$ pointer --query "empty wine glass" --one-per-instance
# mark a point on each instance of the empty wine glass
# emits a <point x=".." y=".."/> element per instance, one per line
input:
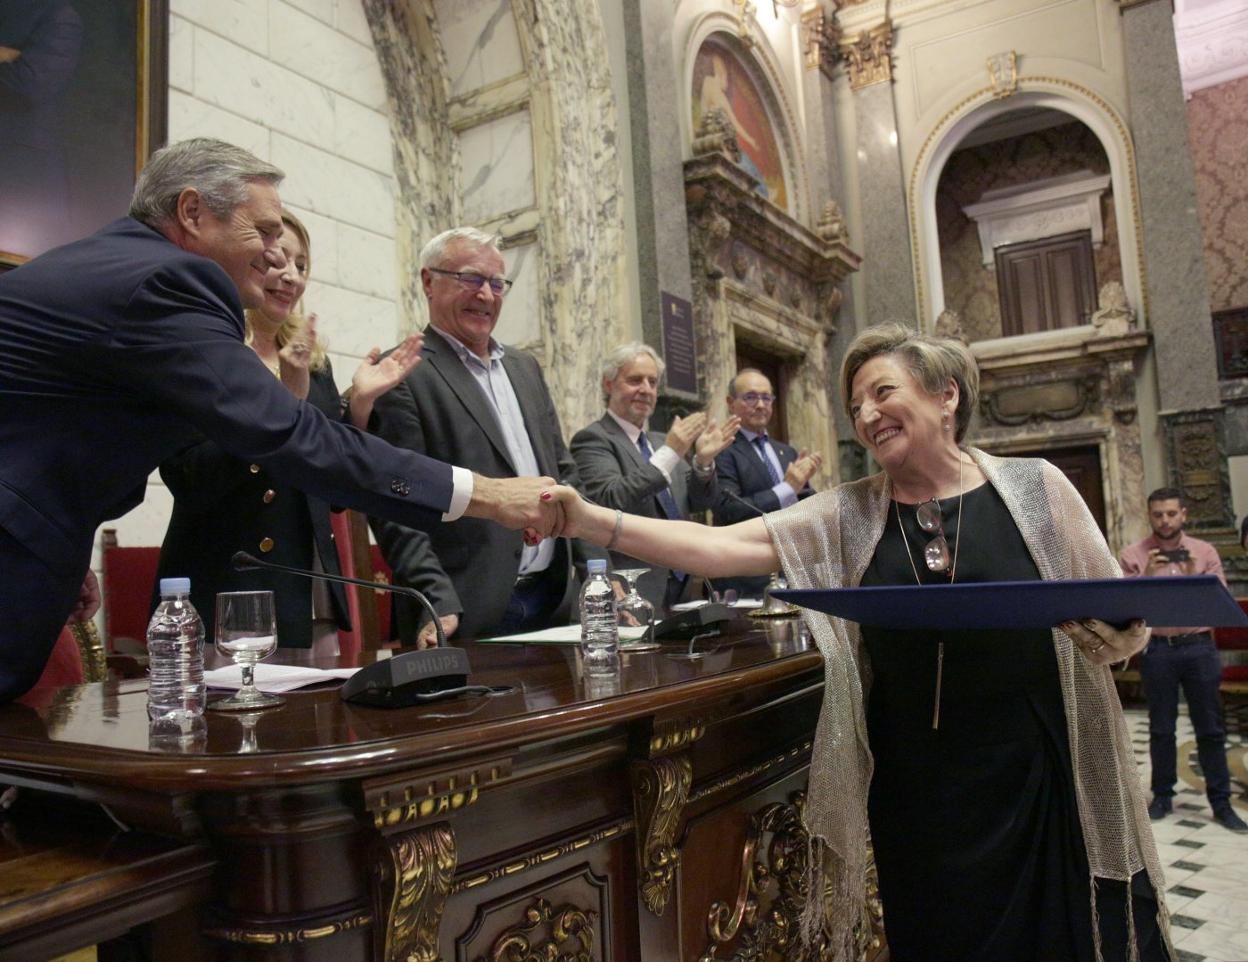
<point x="246" y="633"/>
<point x="634" y="611"/>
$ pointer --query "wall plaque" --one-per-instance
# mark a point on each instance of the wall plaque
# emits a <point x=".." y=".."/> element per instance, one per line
<point x="678" y="352"/>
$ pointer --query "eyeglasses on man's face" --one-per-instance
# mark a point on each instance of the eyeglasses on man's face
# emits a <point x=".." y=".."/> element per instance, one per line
<point x="474" y="281"/>
<point x="757" y="397"/>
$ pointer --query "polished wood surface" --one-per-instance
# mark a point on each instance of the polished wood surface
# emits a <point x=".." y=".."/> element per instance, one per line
<point x="560" y="812"/>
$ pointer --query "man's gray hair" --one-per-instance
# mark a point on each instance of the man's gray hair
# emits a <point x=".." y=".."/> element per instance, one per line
<point x="220" y="172"/>
<point x="625" y="353"/>
<point x="434" y="253"/>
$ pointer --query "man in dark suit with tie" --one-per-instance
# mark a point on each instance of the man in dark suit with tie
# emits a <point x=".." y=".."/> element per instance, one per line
<point x="484" y="405"/>
<point x="116" y="349"/>
<point x="757" y="473"/>
<point x="626" y="467"/>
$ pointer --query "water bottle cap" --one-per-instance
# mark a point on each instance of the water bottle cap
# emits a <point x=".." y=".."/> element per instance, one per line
<point x="596" y="565"/>
<point x="175" y="586"/>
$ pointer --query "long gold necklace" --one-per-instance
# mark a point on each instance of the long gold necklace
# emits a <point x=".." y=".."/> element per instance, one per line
<point x="953" y="574"/>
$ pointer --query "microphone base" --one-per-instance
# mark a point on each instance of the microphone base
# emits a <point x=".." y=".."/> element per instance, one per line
<point x="412" y="678"/>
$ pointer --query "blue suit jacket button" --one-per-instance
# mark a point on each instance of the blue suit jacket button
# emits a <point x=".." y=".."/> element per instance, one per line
<point x="401" y="487"/>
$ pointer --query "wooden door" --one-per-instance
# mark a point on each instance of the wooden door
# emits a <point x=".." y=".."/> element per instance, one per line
<point x="1046" y="284"/>
<point x="772" y="368"/>
<point x="1083" y="467"/>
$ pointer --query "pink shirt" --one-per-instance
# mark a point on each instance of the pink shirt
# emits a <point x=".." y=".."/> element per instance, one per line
<point x="1134" y="562"/>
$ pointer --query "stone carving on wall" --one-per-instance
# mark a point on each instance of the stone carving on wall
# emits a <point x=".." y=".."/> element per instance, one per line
<point x="949" y="324"/>
<point x="715" y="134"/>
<point x="1003" y="74"/>
<point x="761" y="277"/>
<point x="868" y="56"/>
<point x="821" y="37"/>
<point x="1197" y="450"/>
<point x="1113" y="316"/>
<point x="832" y="227"/>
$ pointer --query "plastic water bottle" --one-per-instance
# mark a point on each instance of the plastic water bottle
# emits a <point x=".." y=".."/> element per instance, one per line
<point x="600" y="632"/>
<point x="175" y="655"/>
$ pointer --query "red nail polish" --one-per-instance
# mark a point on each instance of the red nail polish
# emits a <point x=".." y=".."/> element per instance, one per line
<point x="545" y="495"/>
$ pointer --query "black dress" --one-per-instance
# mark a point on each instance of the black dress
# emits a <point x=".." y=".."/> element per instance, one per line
<point x="974" y="823"/>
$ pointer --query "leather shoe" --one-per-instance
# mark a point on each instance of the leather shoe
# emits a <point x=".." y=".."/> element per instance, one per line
<point x="1159" y="808"/>
<point x="1225" y="816"/>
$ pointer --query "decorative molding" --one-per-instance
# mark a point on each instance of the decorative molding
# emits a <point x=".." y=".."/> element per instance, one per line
<point x="868" y="56"/>
<point x="660" y="790"/>
<point x="765" y="918"/>
<point x="543" y="857"/>
<point x="414" y="877"/>
<point x="1196" y="449"/>
<point x="1003" y="74"/>
<point x="274" y="935"/>
<point x="800" y="753"/>
<point x="821" y="38"/>
<point x="403" y="800"/>
<point x="1034" y="403"/>
<point x="716" y="135"/>
<point x="1213" y="44"/>
<point x="570" y="936"/>
<point x="1041" y="208"/>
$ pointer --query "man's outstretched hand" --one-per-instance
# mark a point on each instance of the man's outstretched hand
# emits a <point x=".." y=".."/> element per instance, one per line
<point x="516" y="503"/>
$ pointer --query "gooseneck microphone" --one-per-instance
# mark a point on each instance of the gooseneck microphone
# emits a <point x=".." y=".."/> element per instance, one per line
<point x="740" y="500"/>
<point x="412" y="678"/>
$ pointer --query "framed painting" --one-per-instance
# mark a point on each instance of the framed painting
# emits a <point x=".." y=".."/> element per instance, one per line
<point x="82" y="105"/>
<point x="721" y="80"/>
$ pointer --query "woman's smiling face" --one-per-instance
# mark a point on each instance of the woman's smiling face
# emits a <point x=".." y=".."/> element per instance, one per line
<point x="894" y="416"/>
<point x="284" y="286"/>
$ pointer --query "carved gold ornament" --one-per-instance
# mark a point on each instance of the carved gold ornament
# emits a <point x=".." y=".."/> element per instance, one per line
<point x="660" y="789"/>
<point x="571" y="937"/>
<point x="868" y="56"/>
<point x="414" y="884"/>
<point x="1003" y="74"/>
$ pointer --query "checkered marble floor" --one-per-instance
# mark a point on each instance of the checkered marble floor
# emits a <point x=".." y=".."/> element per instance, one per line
<point x="1206" y="866"/>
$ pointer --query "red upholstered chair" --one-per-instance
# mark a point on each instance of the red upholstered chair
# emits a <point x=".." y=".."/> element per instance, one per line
<point x="1233" y="642"/>
<point x="129" y="574"/>
<point x="369" y="610"/>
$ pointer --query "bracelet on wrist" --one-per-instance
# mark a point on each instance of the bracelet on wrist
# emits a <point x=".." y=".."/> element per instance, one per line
<point x="615" y="533"/>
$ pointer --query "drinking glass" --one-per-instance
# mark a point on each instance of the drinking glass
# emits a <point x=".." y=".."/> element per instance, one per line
<point x="247" y="633"/>
<point x="634" y="611"/>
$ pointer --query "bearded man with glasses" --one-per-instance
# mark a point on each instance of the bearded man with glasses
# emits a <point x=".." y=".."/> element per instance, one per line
<point x="758" y="473"/>
<point x="485" y="405"/>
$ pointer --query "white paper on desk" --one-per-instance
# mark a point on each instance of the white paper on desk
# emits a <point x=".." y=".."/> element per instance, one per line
<point x="563" y="635"/>
<point x="744" y="604"/>
<point x="275" y="678"/>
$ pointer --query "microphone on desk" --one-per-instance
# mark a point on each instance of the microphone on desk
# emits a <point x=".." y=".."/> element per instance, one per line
<point x="771" y="604"/>
<point x="412" y="678"/>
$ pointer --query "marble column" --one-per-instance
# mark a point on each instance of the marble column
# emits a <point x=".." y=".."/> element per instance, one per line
<point x="888" y="270"/>
<point x="1175" y="282"/>
<point x="662" y="229"/>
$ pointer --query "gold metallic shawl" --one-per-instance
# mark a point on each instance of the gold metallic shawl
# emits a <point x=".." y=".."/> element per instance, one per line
<point x="828" y="540"/>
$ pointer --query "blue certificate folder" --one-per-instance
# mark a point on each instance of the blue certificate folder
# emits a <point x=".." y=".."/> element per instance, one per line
<point x="1196" y="600"/>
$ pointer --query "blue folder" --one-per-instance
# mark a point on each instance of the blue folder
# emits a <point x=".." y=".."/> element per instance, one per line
<point x="1192" y="601"/>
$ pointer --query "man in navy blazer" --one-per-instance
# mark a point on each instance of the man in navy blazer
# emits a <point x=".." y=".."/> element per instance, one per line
<point x="627" y="467"/>
<point x="113" y="348"/>
<point x="485" y="405"/>
<point x="757" y="473"/>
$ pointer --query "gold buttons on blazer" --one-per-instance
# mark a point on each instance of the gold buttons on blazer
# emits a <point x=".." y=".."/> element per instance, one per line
<point x="254" y="468"/>
<point x="269" y="496"/>
<point x="266" y="544"/>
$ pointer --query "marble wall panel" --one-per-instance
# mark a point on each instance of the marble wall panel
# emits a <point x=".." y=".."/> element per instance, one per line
<point x="181" y="54"/>
<point x="1217" y="118"/>
<point x="520" y="322"/>
<point x="372" y="268"/>
<point x="308" y="46"/>
<point x="350" y="19"/>
<point x="254" y="87"/>
<point x="481" y="43"/>
<point x="242" y="22"/>
<point x="971" y="288"/>
<point x="323" y="10"/>
<point x="323" y="234"/>
<point x="363" y="135"/>
<point x="191" y="117"/>
<point x="497" y="162"/>
<point x="352" y="323"/>
<point x="331" y="185"/>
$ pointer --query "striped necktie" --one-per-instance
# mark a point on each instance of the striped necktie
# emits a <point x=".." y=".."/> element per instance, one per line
<point x="760" y="442"/>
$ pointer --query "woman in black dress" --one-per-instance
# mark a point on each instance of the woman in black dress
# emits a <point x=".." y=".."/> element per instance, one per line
<point x="992" y="770"/>
<point x="223" y="505"/>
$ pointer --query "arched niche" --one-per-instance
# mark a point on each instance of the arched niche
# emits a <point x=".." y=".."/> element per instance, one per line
<point x="947" y="134"/>
<point x="763" y="67"/>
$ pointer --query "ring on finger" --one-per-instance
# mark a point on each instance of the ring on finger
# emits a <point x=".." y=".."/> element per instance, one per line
<point x="1097" y="647"/>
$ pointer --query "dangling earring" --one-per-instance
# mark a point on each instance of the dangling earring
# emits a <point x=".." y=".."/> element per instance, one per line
<point x="944" y="421"/>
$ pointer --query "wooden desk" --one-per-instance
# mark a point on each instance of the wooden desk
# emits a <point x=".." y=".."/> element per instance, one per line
<point x="625" y="823"/>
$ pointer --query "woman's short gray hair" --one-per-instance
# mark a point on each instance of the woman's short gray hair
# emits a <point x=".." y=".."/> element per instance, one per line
<point x="220" y="172"/>
<point x="932" y="360"/>
<point x="434" y="253"/>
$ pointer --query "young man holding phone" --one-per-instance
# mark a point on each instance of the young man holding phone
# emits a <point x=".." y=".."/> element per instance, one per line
<point x="1181" y="656"/>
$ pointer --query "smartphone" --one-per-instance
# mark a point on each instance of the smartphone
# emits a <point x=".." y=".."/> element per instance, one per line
<point x="1177" y="555"/>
